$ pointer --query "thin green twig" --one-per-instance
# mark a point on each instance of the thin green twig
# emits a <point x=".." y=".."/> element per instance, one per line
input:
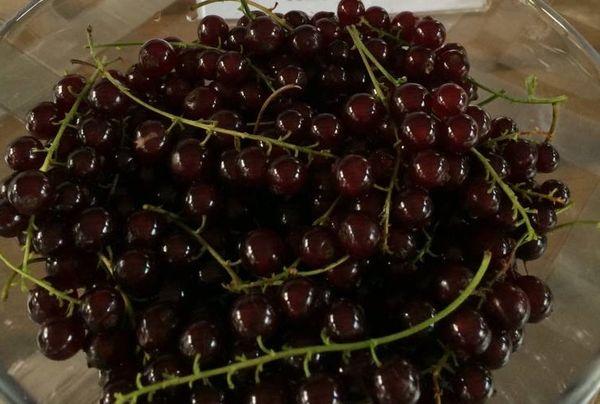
<point x="371" y="344"/>
<point x="518" y="100"/>
<point x="280" y="21"/>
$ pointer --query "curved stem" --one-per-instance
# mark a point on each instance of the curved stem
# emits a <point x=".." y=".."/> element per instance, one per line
<point x="576" y="223"/>
<point x="205" y="126"/>
<point x="517" y="100"/>
<point x="235" y="279"/>
<point x="262" y="8"/>
<point x="269" y="100"/>
<point x="312" y="350"/>
<point x="288" y="273"/>
<point x="44" y="285"/>
<point x="321" y="219"/>
<point x="531" y="234"/>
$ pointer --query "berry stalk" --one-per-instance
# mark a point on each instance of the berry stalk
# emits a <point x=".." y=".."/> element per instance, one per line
<point x="370" y="344"/>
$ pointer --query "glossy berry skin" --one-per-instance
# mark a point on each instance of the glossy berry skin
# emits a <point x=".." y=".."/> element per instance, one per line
<point x="107" y="99"/>
<point x="449" y="100"/>
<point x="412" y="208"/>
<point x="320" y="389"/>
<point x="318" y="247"/>
<point x="473" y="384"/>
<point x="419" y="131"/>
<point x="42" y="306"/>
<point x="429" y="33"/>
<point x="202" y="337"/>
<point x="202" y="102"/>
<point x="71" y="197"/>
<point x="60" y="339"/>
<point x="305" y="41"/>
<point x="150" y="141"/>
<point x="345" y="276"/>
<point x="157" y="57"/>
<point x="483" y="120"/>
<point x="533" y="250"/>
<point x="404" y="24"/>
<point x="299" y="298"/>
<point x="396" y="381"/>
<point x="558" y="191"/>
<point x="548" y="158"/>
<point x="263" y="252"/>
<point x="157" y="327"/>
<point x="418" y="63"/>
<point x="429" y="169"/>
<point x="138" y="273"/>
<point x="345" y="321"/>
<point x="291" y="124"/>
<point x="452" y="65"/>
<point x="84" y="164"/>
<point x="359" y="235"/>
<point x="459" y="134"/>
<point x="481" y="199"/>
<point x="232" y="67"/>
<point x="409" y="97"/>
<point x="286" y="176"/>
<point x="350" y="11"/>
<point x="102" y="309"/>
<point x="252" y="316"/>
<point x="459" y="170"/>
<point x="98" y="134"/>
<point x="51" y="237"/>
<point x="265" y="393"/>
<point x="25" y="153"/>
<point x="94" y="227"/>
<point x="252" y="165"/>
<point x="544" y="219"/>
<point x="362" y="113"/>
<point x="507" y="305"/>
<point x="107" y="350"/>
<point x="540" y="297"/>
<point x="466" y="332"/>
<point x="66" y="91"/>
<point x="12" y="223"/>
<point x="189" y="160"/>
<point x="296" y="18"/>
<point x="522" y="156"/>
<point x="264" y="36"/>
<point x="213" y="31"/>
<point x="292" y="75"/>
<point x="202" y="200"/>
<point x="327" y="130"/>
<point x="42" y="121"/>
<point x="353" y="175"/>
<point x="498" y="353"/>
<point x="449" y="281"/>
<point x="30" y="192"/>
<point x="144" y="228"/>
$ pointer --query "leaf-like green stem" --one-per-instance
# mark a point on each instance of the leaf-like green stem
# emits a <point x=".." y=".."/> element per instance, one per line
<point x="518" y="100"/>
<point x="288" y="273"/>
<point x="362" y="48"/>
<point x="202" y="125"/>
<point x="531" y="234"/>
<point x="235" y="279"/>
<point x="312" y="350"/>
<point x="44" y="285"/>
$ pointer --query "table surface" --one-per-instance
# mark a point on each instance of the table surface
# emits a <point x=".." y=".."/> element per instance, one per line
<point x="584" y="15"/>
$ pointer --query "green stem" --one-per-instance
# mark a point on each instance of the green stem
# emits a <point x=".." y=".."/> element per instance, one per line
<point x="576" y="223"/>
<point x="531" y="234"/>
<point x="44" y="285"/>
<point x="205" y="126"/>
<point x="266" y="10"/>
<point x="382" y="33"/>
<point x="360" y="45"/>
<point x="312" y="350"/>
<point x="385" y="213"/>
<point x="518" y="100"/>
<point x="288" y="273"/>
<point x="321" y="219"/>
<point x="235" y="279"/>
<point x="376" y="86"/>
<point x="269" y="100"/>
<point x="548" y="197"/>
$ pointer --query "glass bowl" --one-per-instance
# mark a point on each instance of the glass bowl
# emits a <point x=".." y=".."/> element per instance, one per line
<point x="506" y="41"/>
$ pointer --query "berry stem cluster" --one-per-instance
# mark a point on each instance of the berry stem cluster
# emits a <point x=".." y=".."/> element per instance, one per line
<point x="272" y="356"/>
<point x="531" y="234"/>
<point x="266" y="10"/>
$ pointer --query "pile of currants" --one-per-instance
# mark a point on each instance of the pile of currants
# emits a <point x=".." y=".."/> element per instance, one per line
<point x="294" y="209"/>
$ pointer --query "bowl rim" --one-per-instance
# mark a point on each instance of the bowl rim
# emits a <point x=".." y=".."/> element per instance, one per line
<point x="541" y="5"/>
